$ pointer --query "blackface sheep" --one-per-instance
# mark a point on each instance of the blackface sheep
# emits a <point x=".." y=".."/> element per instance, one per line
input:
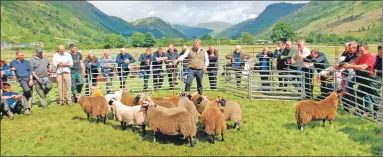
<point x="308" y="110"/>
<point x="174" y="123"/>
<point x="94" y="106"/>
<point x="131" y="115"/>
<point x="213" y="119"/>
<point x="197" y="99"/>
<point x="232" y="111"/>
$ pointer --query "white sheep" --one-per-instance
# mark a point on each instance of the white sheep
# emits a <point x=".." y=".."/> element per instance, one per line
<point x="131" y="115"/>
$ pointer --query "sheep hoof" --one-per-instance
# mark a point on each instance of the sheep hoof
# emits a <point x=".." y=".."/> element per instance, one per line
<point x="238" y="129"/>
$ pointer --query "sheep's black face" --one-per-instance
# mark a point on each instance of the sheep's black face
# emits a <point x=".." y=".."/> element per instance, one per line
<point x="199" y="100"/>
<point x="111" y="101"/>
<point x="222" y="102"/>
<point x="137" y="99"/>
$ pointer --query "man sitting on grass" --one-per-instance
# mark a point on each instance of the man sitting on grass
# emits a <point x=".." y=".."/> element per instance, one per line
<point x="15" y="101"/>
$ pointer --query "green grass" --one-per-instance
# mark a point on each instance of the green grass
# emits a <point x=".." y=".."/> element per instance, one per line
<point x="268" y="128"/>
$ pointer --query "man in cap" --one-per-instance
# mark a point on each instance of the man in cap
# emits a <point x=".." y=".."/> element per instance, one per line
<point x="40" y="71"/>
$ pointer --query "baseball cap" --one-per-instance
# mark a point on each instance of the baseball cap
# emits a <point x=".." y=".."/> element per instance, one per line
<point x="72" y="45"/>
<point x="39" y="50"/>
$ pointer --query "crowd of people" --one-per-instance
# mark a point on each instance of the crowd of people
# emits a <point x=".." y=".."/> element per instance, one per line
<point x="71" y="69"/>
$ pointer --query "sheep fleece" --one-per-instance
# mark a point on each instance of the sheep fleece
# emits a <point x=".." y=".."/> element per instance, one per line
<point x="232" y="111"/>
<point x="214" y="120"/>
<point x="308" y="110"/>
<point x="171" y="124"/>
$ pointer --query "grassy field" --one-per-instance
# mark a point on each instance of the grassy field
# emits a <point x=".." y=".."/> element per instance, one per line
<point x="268" y="128"/>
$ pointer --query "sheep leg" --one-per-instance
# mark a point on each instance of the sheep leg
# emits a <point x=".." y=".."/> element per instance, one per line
<point x="299" y="125"/>
<point x="125" y="126"/>
<point x="143" y="130"/>
<point x="212" y="138"/>
<point x="88" y="116"/>
<point x="239" y="126"/>
<point x="222" y="136"/>
<point x="235" y="125"/>
<point x="330" y="121"/>
<point x="122" y="125"/>
<point x="154" y="136"/>
<point x="323" y="122"/>
<point x="191" y="141"/>
<point x="302" y="127"/>
<point x="105" y="119"/>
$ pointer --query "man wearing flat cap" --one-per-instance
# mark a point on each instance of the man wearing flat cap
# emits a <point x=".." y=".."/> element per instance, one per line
<point x="40" y="72"/>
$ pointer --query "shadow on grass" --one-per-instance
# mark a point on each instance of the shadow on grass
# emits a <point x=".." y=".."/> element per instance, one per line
<point x="311" y="124"/>
<point x="365" y="136"/>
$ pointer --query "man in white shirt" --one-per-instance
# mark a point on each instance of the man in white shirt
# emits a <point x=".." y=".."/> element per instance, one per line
<point x="198" y="62"/>
<point x="62" y="61"/>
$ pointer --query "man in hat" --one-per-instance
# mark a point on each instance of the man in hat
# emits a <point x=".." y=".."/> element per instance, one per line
<point x="77" y="71"/>
<point x="40" y="71"/>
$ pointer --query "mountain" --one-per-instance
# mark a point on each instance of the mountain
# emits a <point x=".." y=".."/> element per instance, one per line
<point x="54" y="22"/>
<point x="192" y="31"/>
<point x="158" y="27"/>
<point x="270" y="15"/>
<point x="215" y="25"/>
<point x="57" y="21"/>
<point x="354" y="18"/>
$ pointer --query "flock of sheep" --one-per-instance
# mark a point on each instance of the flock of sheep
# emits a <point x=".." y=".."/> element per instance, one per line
<point x="178" y="115"/>
<point x="175" y="115"/>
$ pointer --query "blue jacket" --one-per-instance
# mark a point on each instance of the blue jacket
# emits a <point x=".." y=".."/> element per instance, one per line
<point x="264" y="62"/>
<point x="8" y="72"/>
<point x="23" y="68"/>
<point x="157" y="64"/>
<point x="120" y="60"/>
<point x="143" y="58"/>
<point x="92" y="67"/>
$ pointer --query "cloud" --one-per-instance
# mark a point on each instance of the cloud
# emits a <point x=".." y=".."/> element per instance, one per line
<point x="185" y="12"/>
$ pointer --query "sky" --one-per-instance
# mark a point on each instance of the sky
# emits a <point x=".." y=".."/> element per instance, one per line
<point x="189" y="13"/>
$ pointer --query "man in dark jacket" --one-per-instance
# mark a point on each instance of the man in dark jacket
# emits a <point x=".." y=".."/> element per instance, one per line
<point x="349" y="56"/>
<point x="172" y="55"/>
<point x="159" y="57"/>
<point x="123" y="60"/>
<point x="265" y="66"/>
<point x="145" y="62"/>
<point x="91" y="65"/>
<point x="283" y="61"/>
<point x="213" y="67"/>
<point x="320" y="63"/>
<point x="238" y="59"/>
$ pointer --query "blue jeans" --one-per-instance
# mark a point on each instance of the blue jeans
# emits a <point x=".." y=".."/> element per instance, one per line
<point x="145" y="74"/>
<point x="367" y="101"/>
<point x="198" y="73"/>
